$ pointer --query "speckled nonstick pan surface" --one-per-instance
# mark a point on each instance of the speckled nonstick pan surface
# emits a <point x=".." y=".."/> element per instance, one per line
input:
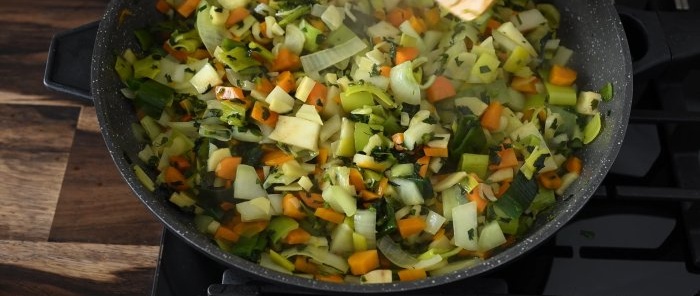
<point x="591" y="28"/>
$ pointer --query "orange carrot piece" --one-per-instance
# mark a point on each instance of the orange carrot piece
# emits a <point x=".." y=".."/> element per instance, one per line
<point x="404" y="54"/>
<point x="574" y="165"/>
<point x="562" y="76"/>
<point x="329" y="215"/>
<point x="367" y="195"/>
<point x="399" y="15"/>
<point x="356" y="179"/>
<point x="177" y="54"/>
<point x="200" y="54"/>
<point x="317" y="96"/>
<point x="363" y="262"/>
<point x="291" y="207"/>
<point x="435" y="152"/>
<point x="311" y="200"/>
<point x="475" y="197"/>
<point x="276" y="157"/>
<point x="322" y="156"/>
<point x="302" y="264"/>
<point x="236" y="15"/>
<point x="297" y="236"/>
<point x="412" y="274"/>
<point x="226" y="234"/>
<point x="508" y="159"/>
<point x="385" y="71"/>
<point x="549" y="180"/>
<point x="264" y="115"/>
<point x="175" y="179"/>
<point x="286" y="81"/>
<point x="187" y="8"/>
<point x="503" y="188"/>
<point x="423" y="160"/>
<point x="162" y="6"/>
<point x="331" y="278"/>
<point x="226" y="169"/>
<point x="286" y="60"/>
<point x="398" y="139"/>
<point x="432" y="17"/>
<point x="383" y="184"/>
<point x="441" y="89"/>
<point x="418" y="24"/>
<point x="179" y="162"/>
<point x="228" y="93"/>
<point x="527" y="85"/>
<point x="491" y="25"/>
<point x="248" y="229"/>
<point x="264" y="85"/>
<point x="491" y="119"/>
<point x="411" y="226"/>
<point x="423" y="171"/>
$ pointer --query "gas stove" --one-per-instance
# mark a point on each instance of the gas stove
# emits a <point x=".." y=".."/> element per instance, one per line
<point x="638" y="235"/>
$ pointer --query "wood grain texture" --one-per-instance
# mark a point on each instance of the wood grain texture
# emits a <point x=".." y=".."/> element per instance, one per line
<point x="34" y="146"/>
<point x="93" y="192"/>
<point x="40" y="268"/>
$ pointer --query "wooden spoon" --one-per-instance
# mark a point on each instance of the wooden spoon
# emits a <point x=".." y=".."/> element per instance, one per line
<point x="466" y="9"/>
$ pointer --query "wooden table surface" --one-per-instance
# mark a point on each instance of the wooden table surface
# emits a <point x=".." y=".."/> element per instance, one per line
<point x="69" y="224"/>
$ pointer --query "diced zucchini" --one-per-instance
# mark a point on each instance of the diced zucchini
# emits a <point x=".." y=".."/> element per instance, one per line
<point x="588" y="102"/>
<point x="592" y="129"/>
<point x="402" y="170"/>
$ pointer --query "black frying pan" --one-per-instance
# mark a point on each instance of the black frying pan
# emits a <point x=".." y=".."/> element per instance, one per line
<point x="591" y="28"/>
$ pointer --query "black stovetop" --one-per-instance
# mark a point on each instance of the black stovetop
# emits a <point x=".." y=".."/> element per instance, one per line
<point x="639" y="234"/>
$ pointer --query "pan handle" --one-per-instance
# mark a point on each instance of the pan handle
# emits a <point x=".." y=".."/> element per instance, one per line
<point x="69" y="61"/>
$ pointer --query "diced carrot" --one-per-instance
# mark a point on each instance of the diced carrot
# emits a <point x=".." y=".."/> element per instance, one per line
<point x="367" y="195"/>
<point x="432" y="17"/>
<point x="175" y="179"/>
<point x="435" y="152"/>
<point x="404" y="54"/>
<point x="187" y="7"/>
<point x="291" y="207"/>
<point x="398" y="139"/>
<point x="264" y="85"/>
<point x="322" y="157"/>
<point x="468" y="253"/>
<point x="177" y="54"/>
<point x="162" y="6"/>
<point x="574" y="165"/>
<point x="229" y="93"/>
<point x="286" y="60"/>
<point x="475" y="197"/>
<point x="311" y="200"/>
<point x="363" y="262"/>
<point x="526" y="85"/>
<point x="276" y="157"/>
<point x="227" y="206"/>
<point x="491" y="25"/>
<point x="302" y="264"/>
<point x="226" y="169"/>
<point x="329" y="215"/>
<point x="236" y="15"/>
<point x="441" y="89"/>
<point x="503" y="188"/>
<point x="317" y="96"/>
<point x="411" y="226"/>
<point x="562" y="76"/>
<point x="385" y="71"/>
<point x="399" y="15"/>
<point x="297" y="236"/>
<point x="383" y="184"/>
<point x="331" y="278"/>
<point x="491" y="119"/>
<point x="418" y="24"/>
<point x="261" y="173"/>
<point x="286" y="81"/>
<point x="226" y="234"/>
<point x="439" y="234"/>
<point x="356" y="179"/>
<point x="549" y="180"/>
<point x="508" y="159"/>
<point x="248" y="229"/>
<point x="423" y="171"/>
<point x="181" y="163"/>
<point x="412" y="274"/>
<point x="200" y="54"/>
<point x="264" y="115"/>
<point x="263" y="30"/>
<point x="318" y="24"/>
<point x="423" y="160"/>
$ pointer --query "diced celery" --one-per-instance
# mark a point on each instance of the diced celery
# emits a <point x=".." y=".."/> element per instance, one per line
<point x="146" y="181"/>
<point x="534" y="100"/>
<point x="561" y="95"/>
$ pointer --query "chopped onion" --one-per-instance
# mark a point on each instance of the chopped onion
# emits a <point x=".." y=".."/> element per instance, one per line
<point x="320" y="60"/>
<point x="404" y="85"/>
<point x="395" y="254"/>
<point x="433" y="222"/>
<point x="366" y="225"/>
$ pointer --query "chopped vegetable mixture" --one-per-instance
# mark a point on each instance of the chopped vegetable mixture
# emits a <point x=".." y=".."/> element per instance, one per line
<point x="358" y="141"/>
